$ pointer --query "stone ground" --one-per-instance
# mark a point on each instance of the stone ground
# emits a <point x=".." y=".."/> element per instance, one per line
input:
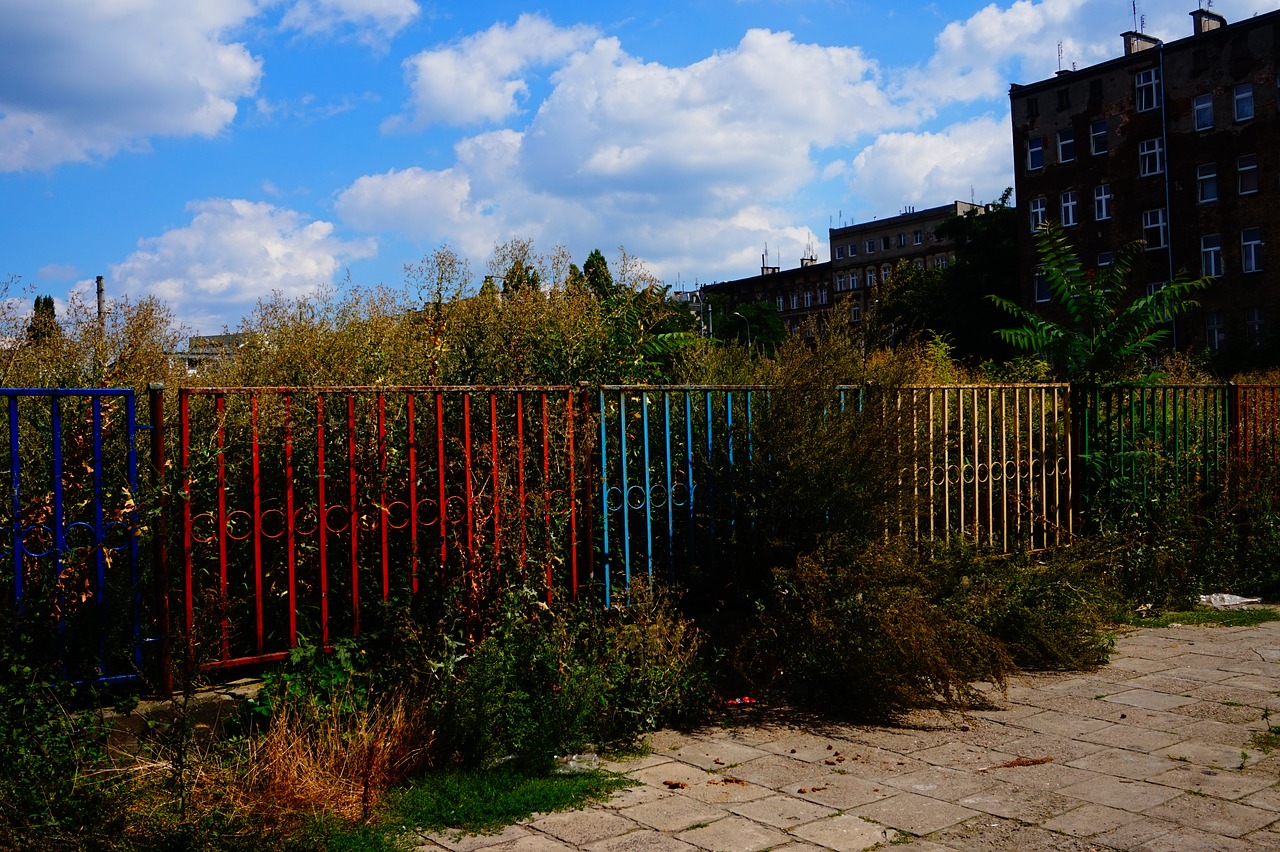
<point x="1153" y="752"/>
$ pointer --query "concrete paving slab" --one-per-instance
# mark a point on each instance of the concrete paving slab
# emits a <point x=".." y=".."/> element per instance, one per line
<point x="843" y="791"/>
<point x="1142" y="665"/>
<point x="1028" y="804"/>
<point x="1063" y="724"/>
<point x="914" y="814"/>
<point x="1231" y="712"/>
<point x="1123" y="793"/>
<point x="784" y="812"/>
<point x="714" y="755"/>
<point x="803" y="746"/>
<point x="1212" y="754"/>
<point x="676" y="813"/>
<point x="585" y="826"/>
<point x="727" y="789"/>
<point x="638" y="795"/>
<point x="1134" y="835"/>
<point x="1090" y="819"/>
<point x="1048" y="776"/>
<point x="642" y="841"/>
<point x="938" y="782"/>
<point x="457" y="842"/>
<point x="963" y="756"/>
<point x="534" y="843"/>
<point x="1000" y="835"/>
<point x="1268" y="798"/>
<point x="845" y="833"/>
<point x="1124" y="763"/>
<point x="1212" y="782"/>
<point x="1150" y="699"/>
<point x="777" y="771"/>
<point x="1132" y="738"/>
<point x="733" y="834"/>
<point x="1186" y="839"/>
<point x="1212" y="815"/>
<point x="1222" y="733"/>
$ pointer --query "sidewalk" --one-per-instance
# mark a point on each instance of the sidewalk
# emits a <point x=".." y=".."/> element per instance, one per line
<point x="1153" y="752"/>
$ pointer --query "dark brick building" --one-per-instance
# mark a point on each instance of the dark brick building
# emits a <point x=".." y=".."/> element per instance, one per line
<point x="1173" y="143"/>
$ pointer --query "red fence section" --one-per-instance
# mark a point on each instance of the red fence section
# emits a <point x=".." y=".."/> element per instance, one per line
<point x="303" y="509"/>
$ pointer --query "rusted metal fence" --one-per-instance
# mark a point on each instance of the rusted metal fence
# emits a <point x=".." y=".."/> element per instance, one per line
<point x="303" y="509"/>
<point x="293" y="513"/>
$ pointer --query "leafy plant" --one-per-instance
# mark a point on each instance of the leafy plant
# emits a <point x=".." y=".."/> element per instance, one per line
<point x="1108" y="329"/>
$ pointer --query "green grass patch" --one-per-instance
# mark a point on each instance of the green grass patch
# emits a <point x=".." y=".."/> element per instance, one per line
<point x="477" y="801"/>
<point x="1268" y="740"/>
<point x="1224" y="617"/>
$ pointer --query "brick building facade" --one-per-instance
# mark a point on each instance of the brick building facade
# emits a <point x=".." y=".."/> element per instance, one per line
<point x="1172" y="143"/>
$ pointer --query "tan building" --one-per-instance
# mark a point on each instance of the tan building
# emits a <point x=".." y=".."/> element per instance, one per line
<point x="798" y="293"/>
<point x="1172" y="143"/>
<point x="865" y="255"/>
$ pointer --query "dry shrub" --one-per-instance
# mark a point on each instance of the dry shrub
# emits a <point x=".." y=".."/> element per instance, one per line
<point x="337" y="760"/>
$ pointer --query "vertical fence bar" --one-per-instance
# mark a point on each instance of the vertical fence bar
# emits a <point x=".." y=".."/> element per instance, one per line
<point x="666" y="432"/>
<point x="411" y="439"/>
<point x="322" y="522"/>
<point x="495" y="482"/>
<point x="256" y="462"/>
<point x="625" y="498"/>
<point x="383" y="519"/>
<point x="291" y="525"/>
<point x="15" y="485"/>
<point x="353" y="515"/>
<point x="648" y="489"/>
<point x="604" y="495"/>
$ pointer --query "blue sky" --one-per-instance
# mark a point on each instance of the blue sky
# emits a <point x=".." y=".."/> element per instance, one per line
<point x="210" y="152"/>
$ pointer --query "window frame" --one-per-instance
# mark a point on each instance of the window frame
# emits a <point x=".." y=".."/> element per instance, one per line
<point x="1102" y="197"/>
<point x="1156" y="219"/>
<point x="1040" y="292"/>
<point x="839" y="252"/>
<point x="1211" y="256"/>
<point x="1206" y="179"/>
<point x="1243" y="97"/>
<point x="1251" y="250"/>
<point x="1068" y="208"/>
<point x="1151" y="157"/>
<point x="1066" y="146"/>
<point x="1039" y="208"/>
<point x="1035" y="153"/>
<point x="1098" y="131"/>
<point x="1250" y="170"/>
<point x="1202" y="107"/>
<point x="1147" y="94"/>
<point x="1215" y="331"/>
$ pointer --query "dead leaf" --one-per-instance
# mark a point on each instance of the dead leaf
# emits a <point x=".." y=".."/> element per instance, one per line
<point x="1019" y="761"/>
<point x="675" y="785"/>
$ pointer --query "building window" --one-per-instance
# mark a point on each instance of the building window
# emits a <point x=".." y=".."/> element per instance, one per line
<point x="855" y="312"/>
<point x="1064" y="99"/>
<point x="1155" y="228"/>
<point x="886" y="243"/>
<point x="1066" y="146"/>
<point x="1035" y="153"/>
<point x="941" y="262"/>
<point x="885" y="272"/>
<point x="808" y="298"/>
<point x="1146" y="87"/>
<point x="1207" y="182"/>
<point x="779" y="304"/>
<point x="918" y="263"/>
<point x="853" y="281"/>
<point x="1253" y="325"/>
<point x="1039" y="212"/>
<point x="822" y="295"/>
<point x="871" y="276"/>
<point x="1033" y="108"/>
<point x="1042" y="286"/>
<point x="1251" y="250"/>
<point x="1105" y="259"/>
<point x="1247" y="172"/>
<point x="840" y="282"/>
<point x="795" y="301"/>
<point x="918" y="237"/>
<point x="1154" y="288"/>
<point x="1215" y="332"/>
<point x="1098" y="136"/>
<point x="839" y="252"/>
<point x="1211" y="256"/>
<point x="1204" y="112"/>
<point x="1244" y="102"/>
<point x="1068" y="204"/>
<point x="1102" y="202"/>
<point x="853" y="249"/>
<point x="1150" y="157"/>
<point x="871" y="246"/>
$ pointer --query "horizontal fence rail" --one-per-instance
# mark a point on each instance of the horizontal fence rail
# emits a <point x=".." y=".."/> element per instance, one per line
<point x="69" y="527"/>
<point x="304" y="509"/>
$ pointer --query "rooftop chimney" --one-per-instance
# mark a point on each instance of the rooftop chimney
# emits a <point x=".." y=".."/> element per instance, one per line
<point x="1134" y="42"/>
<point x="1204" y="20"/>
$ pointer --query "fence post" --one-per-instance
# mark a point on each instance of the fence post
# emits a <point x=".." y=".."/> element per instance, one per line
<point x="1234" y="437"/>
<point x="159" y="541"/>
<point x="1078" y="423"/>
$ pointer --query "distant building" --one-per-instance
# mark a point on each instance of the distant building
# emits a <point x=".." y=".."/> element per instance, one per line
<point x="203" y="348"/>
<point x="1174" y="144"/>
<point x="864" y="255"/>
<point x="798" y="293"/>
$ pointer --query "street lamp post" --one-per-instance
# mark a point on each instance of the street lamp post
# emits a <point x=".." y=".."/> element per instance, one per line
<point x="748" y="324"/>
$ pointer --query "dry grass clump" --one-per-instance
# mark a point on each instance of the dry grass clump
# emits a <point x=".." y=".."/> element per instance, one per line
<point x="336" y="760"/>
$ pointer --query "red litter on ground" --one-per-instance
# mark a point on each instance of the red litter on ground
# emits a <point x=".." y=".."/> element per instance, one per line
<point x="746" y="699"/>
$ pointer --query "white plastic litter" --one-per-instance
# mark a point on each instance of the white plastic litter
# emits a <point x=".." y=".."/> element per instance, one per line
<point x="573" y="763"/>
<point x="1221" y="600"/>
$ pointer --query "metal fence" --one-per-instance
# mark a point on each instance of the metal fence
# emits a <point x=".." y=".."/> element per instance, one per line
<point x="303" y="509"/>
<point x="294" y="513"/>
<point x="69" y="528"/>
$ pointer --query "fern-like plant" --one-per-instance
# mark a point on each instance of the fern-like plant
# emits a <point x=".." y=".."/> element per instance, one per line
<point x="1107" y="329"/>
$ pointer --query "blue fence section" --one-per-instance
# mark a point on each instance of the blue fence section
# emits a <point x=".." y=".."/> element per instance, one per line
<point x="667" y="459"/>
<point x="69" y="527"/>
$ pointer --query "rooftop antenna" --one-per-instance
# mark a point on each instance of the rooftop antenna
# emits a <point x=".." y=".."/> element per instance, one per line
<point x="1059" y="56"/>
<point x="1134" y="3"/>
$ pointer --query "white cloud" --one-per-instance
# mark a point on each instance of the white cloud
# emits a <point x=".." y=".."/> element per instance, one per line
<point x="232" y="253"/>
<point x="929" y="169"/>
<point x="480" y="78"/>
<point x="80" y="81"/>
<point x="374" y="21"/>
